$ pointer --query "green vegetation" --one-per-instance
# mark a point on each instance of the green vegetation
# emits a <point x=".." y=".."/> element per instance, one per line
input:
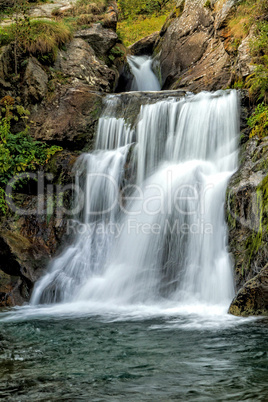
<point x="139" y="18"/>
<point x="43" y="37"/>
<point x="37" y="37"/>
<point x="19" y="152"/>
<point x="258" y="121"/>
<point x="207" y="4"/>
<point x="252" y="15"/>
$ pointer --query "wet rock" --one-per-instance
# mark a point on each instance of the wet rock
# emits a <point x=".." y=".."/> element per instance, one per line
<point x="144" y="46"/>
<point x="32" y="234"/>
<point x="252" y="299"/>
<point x="35" y="82"/>
<point x="246" y="211"/>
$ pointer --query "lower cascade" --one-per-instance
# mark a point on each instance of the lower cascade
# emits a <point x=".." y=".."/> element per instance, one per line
<point x="149" y="218"/>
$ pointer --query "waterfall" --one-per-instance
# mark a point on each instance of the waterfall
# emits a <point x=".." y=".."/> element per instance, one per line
<point x="151" y="226"/>
<point x="144" y="78"/>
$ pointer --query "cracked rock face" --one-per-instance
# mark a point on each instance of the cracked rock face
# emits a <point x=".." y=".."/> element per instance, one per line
<point x="192" y="48"/>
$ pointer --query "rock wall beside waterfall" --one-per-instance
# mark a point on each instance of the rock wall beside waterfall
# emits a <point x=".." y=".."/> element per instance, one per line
<point x="193" y="47"/>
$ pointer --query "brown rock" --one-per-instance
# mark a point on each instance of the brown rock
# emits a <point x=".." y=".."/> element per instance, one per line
<point x="31" y="237"/>
<point x="80" y="62"/>
<point x="244" y="65"/>
<point x="144" y="45"/>
<point x="35" y="82"/>
<point x="111" y="17"/>
<point x="70" y="119"/>
<point x="252" y="299"/>
<point x="191" y="54"/>
<point x="99" y="38"/>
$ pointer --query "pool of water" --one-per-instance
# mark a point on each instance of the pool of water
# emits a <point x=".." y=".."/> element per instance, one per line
<point x="141" y="354"/>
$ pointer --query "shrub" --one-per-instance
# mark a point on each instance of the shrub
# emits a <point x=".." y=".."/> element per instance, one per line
<point x="37" y="36"/>
<point x="258" y="121"/>
<point x="19" y="152"/>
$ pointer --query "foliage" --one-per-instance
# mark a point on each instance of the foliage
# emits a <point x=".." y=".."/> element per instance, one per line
<point x="37" y="37"/>
<point x="258" y="121"/>
<point x="257" y="82"/>
<point x="139" y="18"/>
<point x="84" y="13"/>
<point x="133" y="8"/>
<point x="207" y="4"/>
<point x="19" y="152"/>
<point x="131" y="31"/>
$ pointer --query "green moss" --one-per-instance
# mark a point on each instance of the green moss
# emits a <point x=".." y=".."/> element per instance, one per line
<point x="258" y="121"/>
<point x="207" y="4"/>
<point x="258" y="239"/>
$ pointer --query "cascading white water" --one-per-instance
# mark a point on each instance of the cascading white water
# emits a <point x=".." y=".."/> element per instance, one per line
<point x="165" y="237"/>
<point x="144" y="77"/>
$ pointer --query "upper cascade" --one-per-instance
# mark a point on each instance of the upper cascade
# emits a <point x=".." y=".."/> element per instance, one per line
<point x="144" y="77"/>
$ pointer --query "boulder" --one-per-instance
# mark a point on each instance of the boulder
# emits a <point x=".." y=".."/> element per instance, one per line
<point x="35" y="82"/>
<point x="252" y="299"/>
<point x="144" y="46"/>
<point x="99" y="38"/>
<point x="70" y="119"/>
<point x="81" y="64"/>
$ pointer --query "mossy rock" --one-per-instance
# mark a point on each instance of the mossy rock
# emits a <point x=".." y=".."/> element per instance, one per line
<point x="252" y="299"/>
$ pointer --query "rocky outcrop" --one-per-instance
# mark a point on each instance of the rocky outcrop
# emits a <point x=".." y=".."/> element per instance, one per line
<point x="35" y="82"/>
<point x="252" y="299"/>
<point x="79" y="62"/>
<point x="33" y="233"/>
<point x="69" y="120"/>
<point x="100" y="39"/>
<point x="144" y="45"/>
<point x="246" y="209"/>
<point x="192" y="47"/>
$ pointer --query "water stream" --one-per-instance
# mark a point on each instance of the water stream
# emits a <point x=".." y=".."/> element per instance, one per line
<point x="136" y="307"/>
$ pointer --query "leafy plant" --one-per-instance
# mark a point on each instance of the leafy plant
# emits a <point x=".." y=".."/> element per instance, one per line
<point x="19" y="152"/>
<point x="258" y="121"/>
